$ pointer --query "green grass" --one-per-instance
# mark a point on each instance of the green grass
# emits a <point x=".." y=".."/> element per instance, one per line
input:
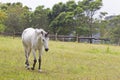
<point x="64" y="61"/>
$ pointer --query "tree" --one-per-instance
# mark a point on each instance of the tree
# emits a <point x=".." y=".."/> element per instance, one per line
<point x="116" y="35"/>
<point x="25" y="18"/>
<point x="53" y="14"/>
<point x="63" y="23"/>
<point x="16" y="20"/>
<point x="3" y="17"/>
<point x="102" y="24"/>
<point x="40" y="18"/>
<point x="113" y="28"/>
<point x="62" y="15"/>
<point x="63" y="18"/>
<point x="90" y="7"/>
<point x="80" y="20"/>
<point x="71" y="6"/>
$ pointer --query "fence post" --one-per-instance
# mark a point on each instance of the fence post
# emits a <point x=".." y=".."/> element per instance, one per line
<point x="56" y="36"/>
<point x="13" y="35"/>
<point x="77" y="38"/>
<point x="63" y="39"/>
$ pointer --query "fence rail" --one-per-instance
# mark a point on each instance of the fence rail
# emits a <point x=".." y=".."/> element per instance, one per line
<point x="77" y="38"/>
<point x="65" y="38"/>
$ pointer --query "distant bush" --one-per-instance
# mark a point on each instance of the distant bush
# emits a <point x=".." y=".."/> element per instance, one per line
<point x="2" y="28"/>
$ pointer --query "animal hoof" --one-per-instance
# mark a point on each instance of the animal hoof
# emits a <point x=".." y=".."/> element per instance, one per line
<point x="32" y="68"/>
<point x="39" y="70"/>
<point x="27" y="67"/>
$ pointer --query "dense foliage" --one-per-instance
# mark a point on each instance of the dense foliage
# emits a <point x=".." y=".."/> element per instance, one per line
<point x="64" y="18"/>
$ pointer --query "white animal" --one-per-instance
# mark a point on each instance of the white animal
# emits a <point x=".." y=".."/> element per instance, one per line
<point x="34" y="39"/>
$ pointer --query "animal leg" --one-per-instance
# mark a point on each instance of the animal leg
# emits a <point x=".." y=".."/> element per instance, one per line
<point x="34" y="54"/>
<point x="34" y="64"/>
<point x="27" y="56"/>
<point x="39" y="68"/>
<point x="40" y="60"/>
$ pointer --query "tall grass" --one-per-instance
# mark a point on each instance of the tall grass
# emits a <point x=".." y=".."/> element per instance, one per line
<point x="64" y="61"/>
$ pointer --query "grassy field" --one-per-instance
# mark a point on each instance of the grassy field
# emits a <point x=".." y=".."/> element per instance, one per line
<point x="64" y="61"/>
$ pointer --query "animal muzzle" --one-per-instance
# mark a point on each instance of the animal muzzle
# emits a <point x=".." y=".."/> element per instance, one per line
<point x="46" y="49"/>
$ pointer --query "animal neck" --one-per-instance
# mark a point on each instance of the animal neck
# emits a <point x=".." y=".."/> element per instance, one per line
<point x="39" y="39"/>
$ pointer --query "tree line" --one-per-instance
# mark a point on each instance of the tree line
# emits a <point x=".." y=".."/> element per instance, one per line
<point x="63" y="18"/>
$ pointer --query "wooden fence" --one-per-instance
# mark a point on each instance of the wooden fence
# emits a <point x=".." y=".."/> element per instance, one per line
<point x="66" y="38"/>
<point x="78" y="39"/>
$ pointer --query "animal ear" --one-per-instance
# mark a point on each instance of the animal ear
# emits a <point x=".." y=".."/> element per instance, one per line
<point x="42" y="32"/>
<point x="46" y="34"/>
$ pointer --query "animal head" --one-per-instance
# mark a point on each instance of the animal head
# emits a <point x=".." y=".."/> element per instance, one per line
<point x="44" y="37"/>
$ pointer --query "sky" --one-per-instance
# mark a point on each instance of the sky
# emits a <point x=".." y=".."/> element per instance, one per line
<point x="112" y="7"/>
